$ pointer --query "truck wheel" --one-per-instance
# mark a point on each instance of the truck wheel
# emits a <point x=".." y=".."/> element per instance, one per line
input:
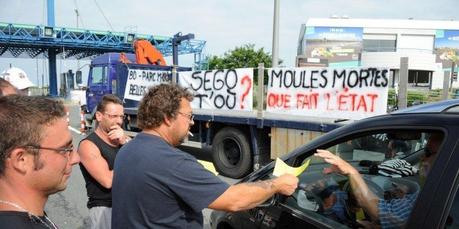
<point x="231" y="153"/>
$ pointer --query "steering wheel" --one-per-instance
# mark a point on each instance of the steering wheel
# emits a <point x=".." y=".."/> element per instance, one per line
<point x="373" y="186"/>
<point x="308" y="200"/>
<point x="351" y="202"/>
<point x="310" y="190"/>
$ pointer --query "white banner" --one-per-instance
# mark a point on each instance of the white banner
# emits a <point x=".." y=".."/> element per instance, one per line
<point x="140" y="80"/>
<point x="229" y="89"/>
<point x="326" y="92"/>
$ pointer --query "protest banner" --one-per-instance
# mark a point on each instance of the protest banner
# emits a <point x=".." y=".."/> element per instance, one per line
<point x="139" y="80"/>
<point x="229" y="89"/>
<point x="351" y="93"/>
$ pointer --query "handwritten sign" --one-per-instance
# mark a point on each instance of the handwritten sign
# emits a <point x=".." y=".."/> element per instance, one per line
<point x="229" y="89"/>
<point x="140" y="80"/>
<point x="326" y="92"/>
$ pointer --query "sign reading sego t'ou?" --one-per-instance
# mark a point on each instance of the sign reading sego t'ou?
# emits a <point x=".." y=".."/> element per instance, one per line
<point x="229" y="89"/>
<point x="326" y="92"/>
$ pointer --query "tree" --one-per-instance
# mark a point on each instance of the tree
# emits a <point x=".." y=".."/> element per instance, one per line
<point x="241" y="57"/>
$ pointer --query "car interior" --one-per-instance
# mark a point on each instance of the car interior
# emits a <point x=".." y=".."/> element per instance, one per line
<point x="389" y="162"/>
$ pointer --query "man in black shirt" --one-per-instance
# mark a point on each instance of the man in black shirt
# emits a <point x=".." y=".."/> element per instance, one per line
<point x="36" y="159"/>
<point x="98" y="152"/>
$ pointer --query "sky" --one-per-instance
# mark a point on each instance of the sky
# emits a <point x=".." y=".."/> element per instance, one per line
<point x="223" y="24"/>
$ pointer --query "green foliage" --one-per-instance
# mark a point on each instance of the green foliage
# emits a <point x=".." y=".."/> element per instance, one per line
<point x="245" y="56"/>
<point x="417" y="97"/>
<point x="241" y="57"/>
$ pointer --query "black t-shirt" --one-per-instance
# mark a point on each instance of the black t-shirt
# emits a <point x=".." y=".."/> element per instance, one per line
<point x="20" y="220"/>
<point x="158" y="186"/>
<point x="98" y="195"/>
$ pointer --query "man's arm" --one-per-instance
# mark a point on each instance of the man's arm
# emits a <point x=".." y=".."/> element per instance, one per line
<point x="96" y="165"/>
<point x="364" y="196"/>
<point x="249" y="195"/>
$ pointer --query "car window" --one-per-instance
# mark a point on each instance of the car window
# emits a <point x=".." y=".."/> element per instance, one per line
<point x="99" y="75"/>
<point x="393" y="166"/>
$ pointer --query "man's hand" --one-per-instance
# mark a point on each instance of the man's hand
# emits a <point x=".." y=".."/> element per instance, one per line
<point x="116" y="134"/>
<point x="338" y="165"/>
<point x="285" y="184"/>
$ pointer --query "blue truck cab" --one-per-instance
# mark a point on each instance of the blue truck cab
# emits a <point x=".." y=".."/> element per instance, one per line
<point x="108" y="75"/>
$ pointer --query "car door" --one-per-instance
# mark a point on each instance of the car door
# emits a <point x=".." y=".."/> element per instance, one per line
<point x="326" y="201"/>
<point x="435" y="202"/>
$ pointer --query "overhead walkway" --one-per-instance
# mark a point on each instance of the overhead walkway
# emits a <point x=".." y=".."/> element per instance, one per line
<point x="38" y="41"/>
<point x="33" y="40"/>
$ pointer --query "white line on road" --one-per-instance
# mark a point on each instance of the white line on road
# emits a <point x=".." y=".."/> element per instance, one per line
<point x="74" y="130"/>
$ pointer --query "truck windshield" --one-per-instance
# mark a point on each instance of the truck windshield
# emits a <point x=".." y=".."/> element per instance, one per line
<point x="99" y="75"/>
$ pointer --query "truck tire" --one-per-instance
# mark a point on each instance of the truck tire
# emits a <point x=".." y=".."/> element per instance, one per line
<point x="231" y="153"/>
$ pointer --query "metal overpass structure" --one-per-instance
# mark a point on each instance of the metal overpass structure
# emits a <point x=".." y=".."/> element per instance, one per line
<point x="40" y="41"/>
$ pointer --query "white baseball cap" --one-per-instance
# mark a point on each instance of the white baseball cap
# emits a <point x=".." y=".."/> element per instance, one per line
<point x="17" y="77"/>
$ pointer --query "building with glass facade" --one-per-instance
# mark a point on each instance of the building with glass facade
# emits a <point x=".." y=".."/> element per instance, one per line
<point x="432" y="47"/>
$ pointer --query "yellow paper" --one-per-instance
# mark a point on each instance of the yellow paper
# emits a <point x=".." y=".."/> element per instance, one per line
<point x="281" y="168"/>
<point x="209" y="166"/>
<point x="360" y="215"/>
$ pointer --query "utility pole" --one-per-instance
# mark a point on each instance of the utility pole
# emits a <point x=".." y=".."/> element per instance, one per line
<point x="275" y="54"/>
<point x="453" y="66"/>
<point x="403" y="83"/>
<point x="77" y="17"/>
<point x="52" y="52"/>
<point x="176" y="40"/>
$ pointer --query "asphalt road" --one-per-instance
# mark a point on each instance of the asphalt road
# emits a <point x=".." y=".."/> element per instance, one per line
<point x="68" y="208"/>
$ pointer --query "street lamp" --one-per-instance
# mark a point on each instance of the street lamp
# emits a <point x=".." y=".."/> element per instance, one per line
<point x="48" y="31"/>
<point x="275" y="51"/>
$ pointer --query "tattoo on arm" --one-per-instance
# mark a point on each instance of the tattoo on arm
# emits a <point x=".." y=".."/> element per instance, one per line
<point x="264" y="184"/>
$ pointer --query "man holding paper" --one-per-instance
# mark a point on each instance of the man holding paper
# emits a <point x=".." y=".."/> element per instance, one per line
<point x="156" y="185"/>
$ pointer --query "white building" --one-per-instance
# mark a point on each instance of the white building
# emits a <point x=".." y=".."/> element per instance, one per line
<point x="431" y="46"/>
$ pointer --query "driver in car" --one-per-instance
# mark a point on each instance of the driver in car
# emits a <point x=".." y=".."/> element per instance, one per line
<point x="390" y="213"/>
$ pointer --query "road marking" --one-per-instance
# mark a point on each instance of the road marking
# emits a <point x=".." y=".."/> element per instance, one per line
<point x="74" y="130"/>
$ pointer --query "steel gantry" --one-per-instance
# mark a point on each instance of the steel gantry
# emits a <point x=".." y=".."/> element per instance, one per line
<point x="50" y="41"/>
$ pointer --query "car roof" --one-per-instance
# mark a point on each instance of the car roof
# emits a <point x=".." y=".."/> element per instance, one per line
<point x="450" y="105"/>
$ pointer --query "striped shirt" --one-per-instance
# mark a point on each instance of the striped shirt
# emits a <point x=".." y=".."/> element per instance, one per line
<point x="394" y="213"/>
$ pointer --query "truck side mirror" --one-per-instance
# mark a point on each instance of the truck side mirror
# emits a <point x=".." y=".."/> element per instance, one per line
<point x="79" y="78"/>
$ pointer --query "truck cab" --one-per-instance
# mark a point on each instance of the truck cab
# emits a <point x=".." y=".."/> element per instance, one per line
<point x="103" y="78"/>
<point x="109" y="75"/>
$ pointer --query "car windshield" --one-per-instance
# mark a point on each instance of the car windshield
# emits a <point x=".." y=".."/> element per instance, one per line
<point x="392" y="165"/>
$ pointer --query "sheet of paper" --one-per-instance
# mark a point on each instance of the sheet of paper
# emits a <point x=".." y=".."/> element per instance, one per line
<point x="281" y="168"/>
<point x="209" y="166"/>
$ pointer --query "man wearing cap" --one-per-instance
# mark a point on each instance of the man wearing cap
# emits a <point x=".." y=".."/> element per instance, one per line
<point x="18" y="78"/>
